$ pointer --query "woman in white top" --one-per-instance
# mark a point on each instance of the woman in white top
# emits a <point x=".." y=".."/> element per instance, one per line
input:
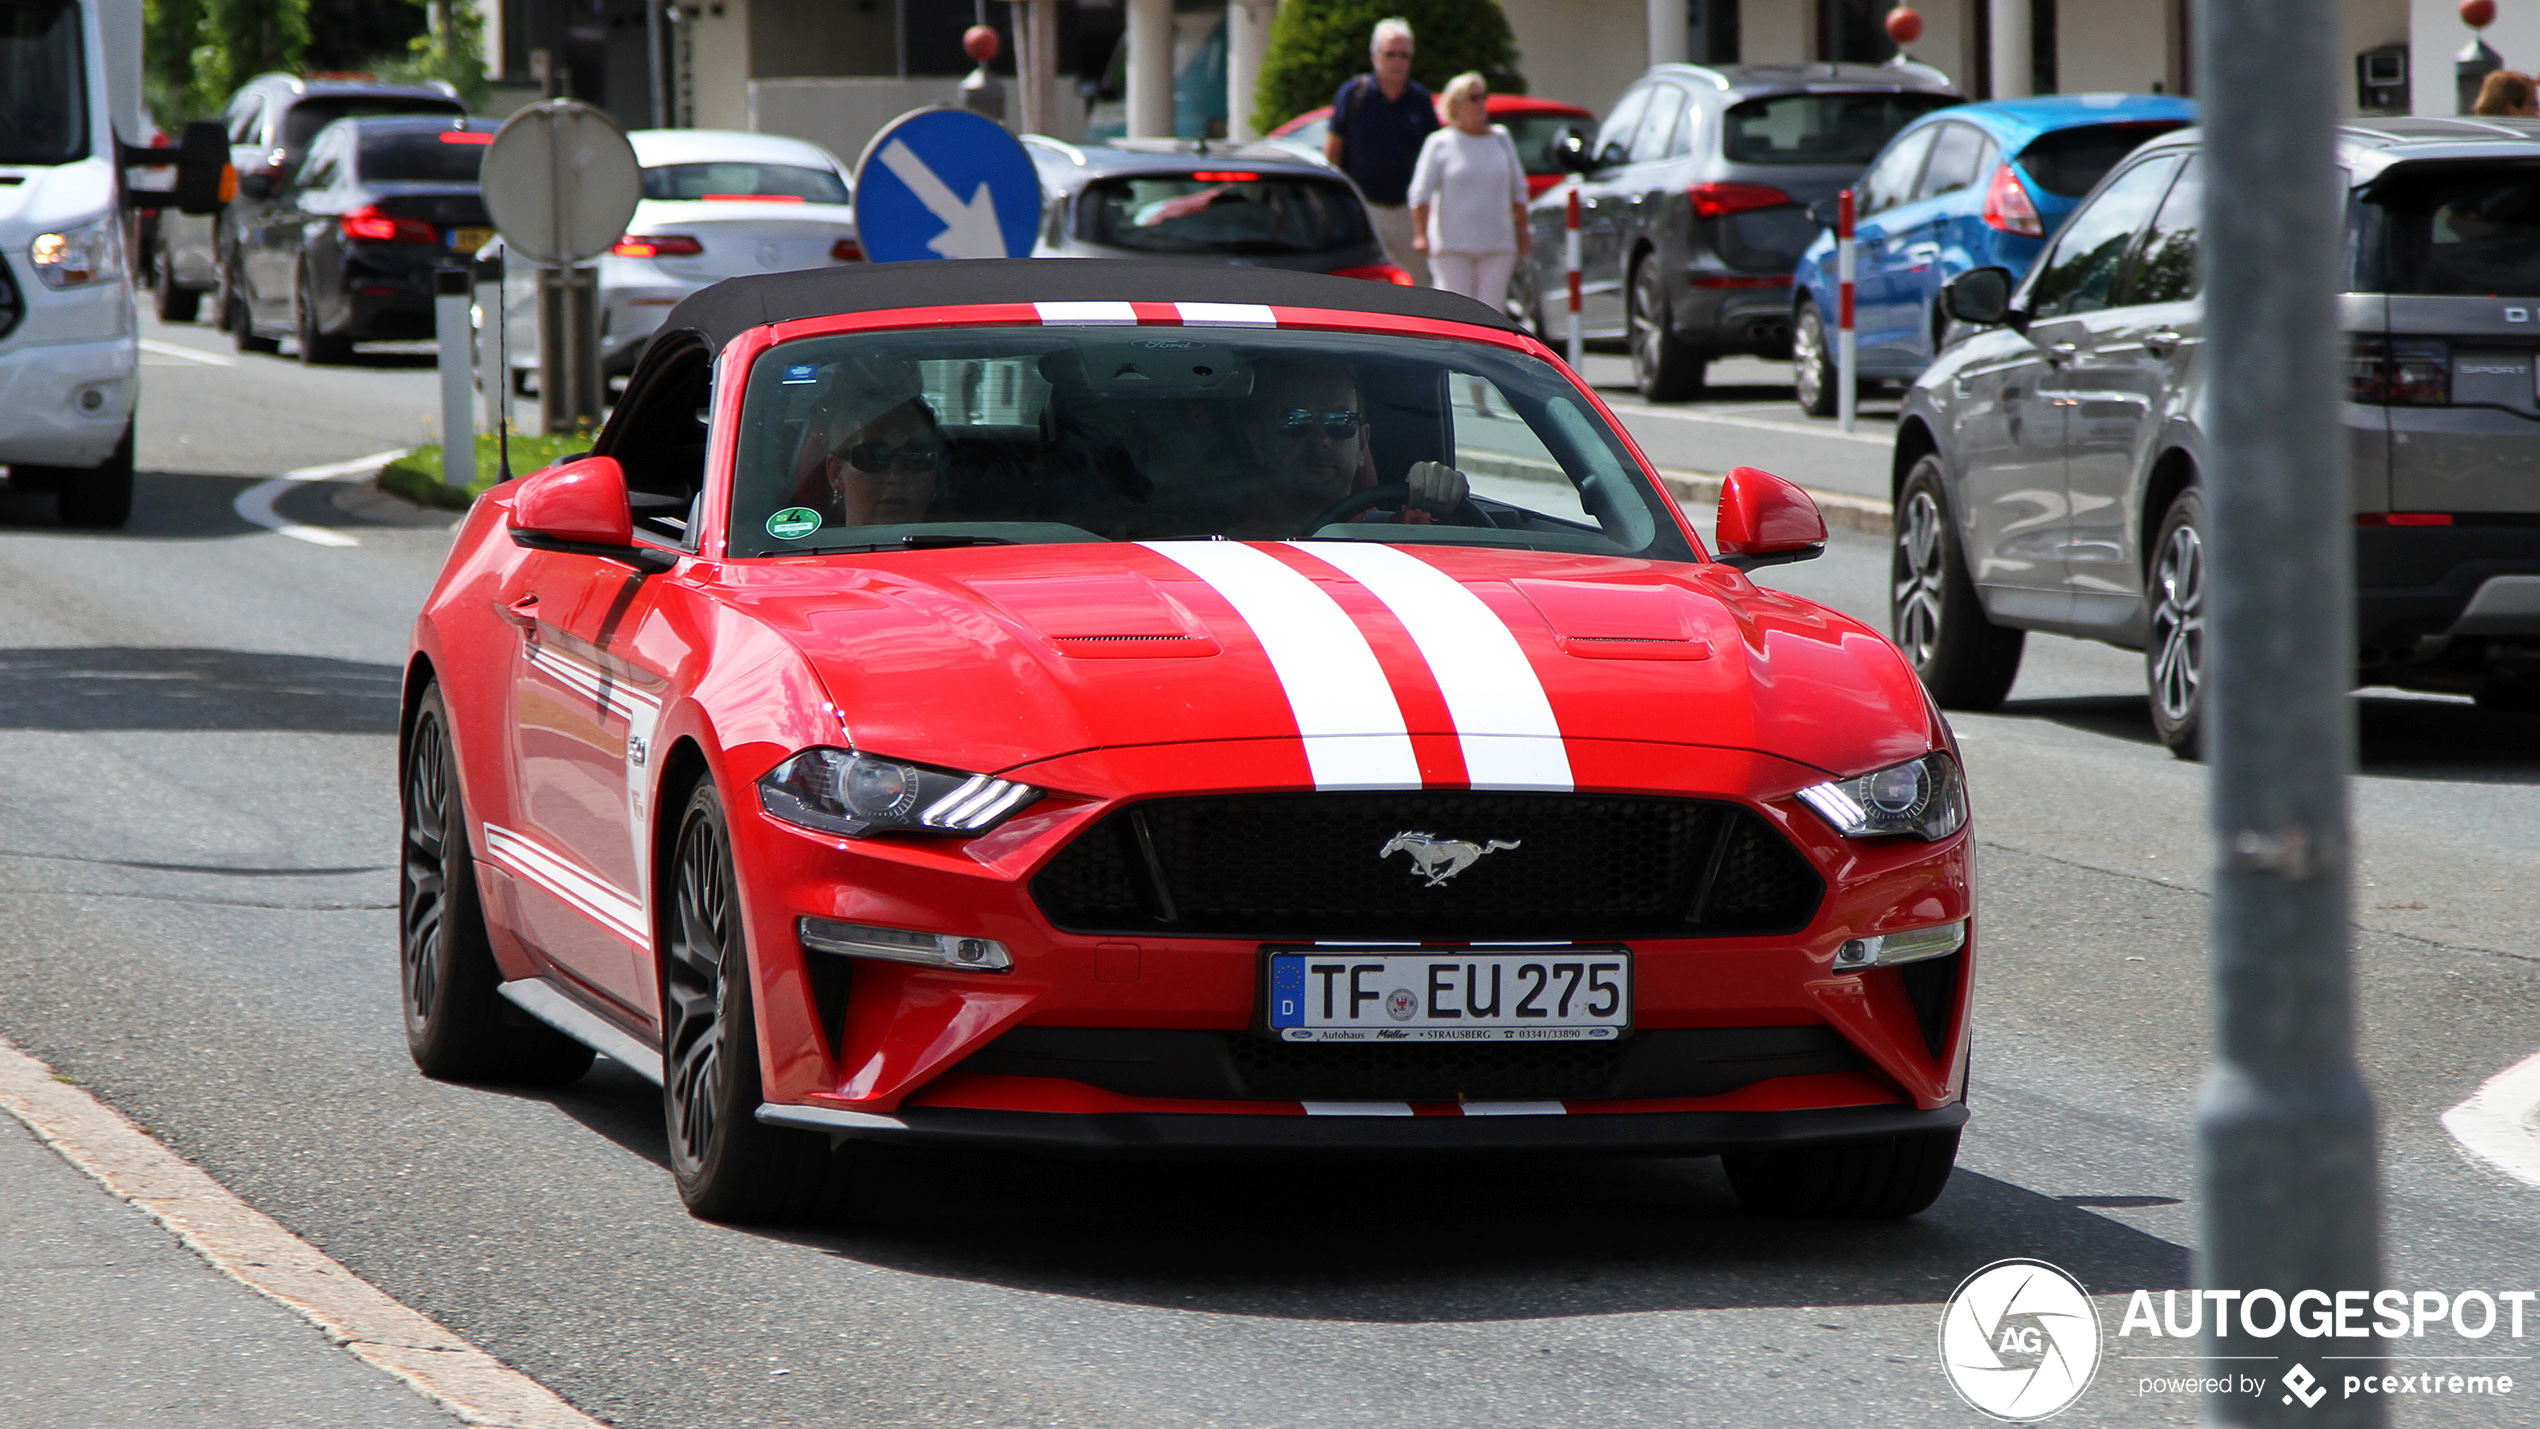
<point x="1468" y="198"/>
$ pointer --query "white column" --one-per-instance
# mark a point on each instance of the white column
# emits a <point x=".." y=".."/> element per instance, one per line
<point x="1150" y="69"/>
<point x="1247" y="40"/>
<point x="2013" y="65"/>
<point x="1667" y="32"/>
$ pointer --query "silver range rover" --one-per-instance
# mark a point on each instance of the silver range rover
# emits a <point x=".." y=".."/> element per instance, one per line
<point x="2046" y="466"/>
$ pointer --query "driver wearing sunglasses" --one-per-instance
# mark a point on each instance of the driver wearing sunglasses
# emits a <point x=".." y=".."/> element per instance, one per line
<point x="871" y="454"/>
<point x="1310" y="449"/>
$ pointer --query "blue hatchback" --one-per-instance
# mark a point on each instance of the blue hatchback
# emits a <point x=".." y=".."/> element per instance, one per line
<point x="1964" y="187"/>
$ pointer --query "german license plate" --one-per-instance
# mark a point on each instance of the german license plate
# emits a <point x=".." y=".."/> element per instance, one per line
<point x="468" y="240"/>
<point x="1450" y="994"/>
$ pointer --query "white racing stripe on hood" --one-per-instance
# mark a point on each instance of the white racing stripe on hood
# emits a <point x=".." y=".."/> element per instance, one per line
<point x="1353" y="729"/>
<point x="1502" y="718"/>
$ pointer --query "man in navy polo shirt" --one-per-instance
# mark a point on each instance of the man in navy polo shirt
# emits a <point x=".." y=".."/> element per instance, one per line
<point x="1379" y="122"/>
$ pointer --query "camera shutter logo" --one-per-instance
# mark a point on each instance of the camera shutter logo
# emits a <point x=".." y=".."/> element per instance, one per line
<point x="2020" y="1340"/>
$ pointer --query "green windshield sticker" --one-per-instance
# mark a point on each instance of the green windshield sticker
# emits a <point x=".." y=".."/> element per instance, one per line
<point x="793" y="523"/>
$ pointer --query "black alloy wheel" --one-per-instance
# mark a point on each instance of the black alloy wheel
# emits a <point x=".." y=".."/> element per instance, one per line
<point x="729" y="1165"/>
<point x="318" y="347"/>
<point x="98" y="498"/>
<point x="1934" y="615"/>
<point x="1664" y="366"/>
<point x="240" y="314"/>
<point x="173" y="301"/>
<point x="1886" y="1179"/>
<point x="1812" y="372"/>
<point x="2174" y="660"/>
<point x="458" y="1027"/>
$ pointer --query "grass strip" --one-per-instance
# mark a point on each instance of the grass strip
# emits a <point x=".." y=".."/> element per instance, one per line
<point x="416" y="476"/>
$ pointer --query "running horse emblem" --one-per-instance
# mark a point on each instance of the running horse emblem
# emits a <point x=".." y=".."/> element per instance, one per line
<point x="1438" y="859"/>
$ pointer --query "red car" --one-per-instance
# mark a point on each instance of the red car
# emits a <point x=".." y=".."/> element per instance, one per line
<point x="1536" y="124"/>
<point x="1172" y="709"/>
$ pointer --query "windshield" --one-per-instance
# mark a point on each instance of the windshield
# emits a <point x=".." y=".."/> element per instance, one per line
<point x="1231" y="211"/>
<point x="2067" y="162"/>
<point x="2457" y="230"/>
<point x="1535" y="135"/>
<point x="1821" y="128"/>
<point x="963" y="436"/>
<point x="773" y="183"/>
<point x="424" y="156"/>
<point x="43" y="105"/>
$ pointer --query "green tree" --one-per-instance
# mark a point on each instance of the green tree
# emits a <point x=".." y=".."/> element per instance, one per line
<point x="170" y="29"/>
<point x="236" y="40"/>
<point x="451" y="48"/>
<point x="1317" y="44"/>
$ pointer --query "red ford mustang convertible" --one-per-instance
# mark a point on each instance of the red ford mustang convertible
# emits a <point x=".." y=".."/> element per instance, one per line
<point x="1103" y="707"/>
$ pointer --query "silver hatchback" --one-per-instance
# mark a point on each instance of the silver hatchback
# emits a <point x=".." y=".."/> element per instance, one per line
<point x="2046" y="466"/>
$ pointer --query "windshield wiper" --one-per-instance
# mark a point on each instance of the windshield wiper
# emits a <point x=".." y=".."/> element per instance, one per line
<point x="923" y="541"/>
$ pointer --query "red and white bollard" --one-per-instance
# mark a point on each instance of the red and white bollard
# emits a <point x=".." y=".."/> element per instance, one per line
<point x="1570" y="257"/>
<point x="1845" y="387"/>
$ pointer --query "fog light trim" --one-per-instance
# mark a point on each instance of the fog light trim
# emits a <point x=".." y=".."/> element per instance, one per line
<point x="1886" y="950"/>
<point x="898" y="945"/>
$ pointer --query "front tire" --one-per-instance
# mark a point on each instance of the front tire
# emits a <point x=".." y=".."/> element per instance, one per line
<point x="1934" y="615"/>
<point x="458" y="1027"/>
<point x="1812" y="373"/>
<point x="729" y="1165"/>
<point x="1664" y="366"/>
<point x="240" y="315"/>
<point x="318" y="347"/>
<point x="2174" y="659"/>
<point x="1886" y="1179"/>
<point x="98" y="498"/>
<point x="173" y="301"/>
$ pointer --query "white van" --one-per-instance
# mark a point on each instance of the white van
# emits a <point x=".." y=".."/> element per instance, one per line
<point x="70" y="119"/>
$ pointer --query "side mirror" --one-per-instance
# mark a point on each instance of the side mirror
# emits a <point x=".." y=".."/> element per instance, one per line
<point x="1822" y="213"/>
<point x="1980" y="296"/>
<point x="1570" y="152"/>
<point x="204" y="180"/>
<point x="580" y="508"/>
<point x="1766" y="521"/>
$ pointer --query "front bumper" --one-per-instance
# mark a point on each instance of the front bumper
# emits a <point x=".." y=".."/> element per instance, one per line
<point x="43" y="386"/>
<point x="1685" y="1133"/>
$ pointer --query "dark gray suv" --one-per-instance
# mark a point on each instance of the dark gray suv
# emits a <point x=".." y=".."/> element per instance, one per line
<point x="2046" y="465"/>
<point x="1694" y="202"/>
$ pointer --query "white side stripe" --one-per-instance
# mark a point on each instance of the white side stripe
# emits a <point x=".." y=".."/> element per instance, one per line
<point x="1226" y="314"/>
<point x="547" y="869"/>
<point x="1344" y="706"/>
<point x="1087" y="313"/>
<point x="1505" y="723"/>
<point x="625" y="703"/>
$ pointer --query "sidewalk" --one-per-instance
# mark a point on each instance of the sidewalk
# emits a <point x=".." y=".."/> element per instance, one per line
<point x="1747" y="418"/>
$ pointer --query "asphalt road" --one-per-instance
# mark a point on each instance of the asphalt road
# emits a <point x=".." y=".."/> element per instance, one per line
<point x="196" y="921"/>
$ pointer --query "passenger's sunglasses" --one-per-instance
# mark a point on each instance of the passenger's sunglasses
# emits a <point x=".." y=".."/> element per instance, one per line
<point x="878" y="457"/>
<point x="1340" y="426"/>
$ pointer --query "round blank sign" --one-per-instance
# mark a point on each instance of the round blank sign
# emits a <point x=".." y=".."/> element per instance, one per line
<point x="561" y="182"/>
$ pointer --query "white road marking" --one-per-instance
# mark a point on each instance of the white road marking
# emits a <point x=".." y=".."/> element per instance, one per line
<point x="253" y="1249"/>
<point x="255" y="504"/>
<point x="1502" y="718"/>
<point x="1798" y="429"/>
<point x="1353" y="729"/>
<point x="2494" y="1125"/>
<point x="190" y="354"/>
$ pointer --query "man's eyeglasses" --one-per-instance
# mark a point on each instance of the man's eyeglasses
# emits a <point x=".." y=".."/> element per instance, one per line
<point x="877" y="457"/>
<point x="1340" y="426"/>
<point x="1393" y="54"/>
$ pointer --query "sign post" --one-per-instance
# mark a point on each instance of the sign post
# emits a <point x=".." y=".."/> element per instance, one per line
<point x="2288" y="1182"/>
<point x="458" y="424"/>
<point x="946" y="183"/>
<point x="1847" y="387"/>
<point x="561" y="183"/>
<point x="1570" y="259"/>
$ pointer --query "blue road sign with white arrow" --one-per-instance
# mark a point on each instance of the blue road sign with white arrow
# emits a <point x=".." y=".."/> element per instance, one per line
<point x="946" y="183"/>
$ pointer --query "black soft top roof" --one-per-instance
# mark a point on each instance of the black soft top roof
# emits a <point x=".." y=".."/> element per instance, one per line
<point x="735" y="305"/>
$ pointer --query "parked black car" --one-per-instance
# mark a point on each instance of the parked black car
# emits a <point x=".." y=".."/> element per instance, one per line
<point x="270" y="120"/>
<point x="1694" y="202"/>
<point x="346" y="253"/>
<point x="2049" y="465"/>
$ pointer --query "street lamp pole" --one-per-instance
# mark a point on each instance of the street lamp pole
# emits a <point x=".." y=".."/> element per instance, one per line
<point x="2286" y="1164"/>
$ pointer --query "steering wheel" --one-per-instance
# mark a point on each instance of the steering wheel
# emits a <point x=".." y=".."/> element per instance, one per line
<point x="1395" y="494"/>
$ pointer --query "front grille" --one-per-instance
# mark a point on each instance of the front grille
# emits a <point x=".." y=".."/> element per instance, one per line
<point x="1222" y="1066"/>
<point x="1584" y="866"/>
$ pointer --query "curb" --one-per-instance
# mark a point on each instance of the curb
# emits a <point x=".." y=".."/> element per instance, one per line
<point x="253" y="1249"/>
<point x="1842" y="510"/>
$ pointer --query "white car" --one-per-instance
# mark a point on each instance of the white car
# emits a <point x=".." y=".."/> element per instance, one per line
<point x="718" y="203"/>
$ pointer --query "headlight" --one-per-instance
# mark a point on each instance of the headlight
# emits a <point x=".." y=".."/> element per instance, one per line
<point x="1922" y="798"/>
<point x="839" y="791"/>
<point x="77" y="256"/>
